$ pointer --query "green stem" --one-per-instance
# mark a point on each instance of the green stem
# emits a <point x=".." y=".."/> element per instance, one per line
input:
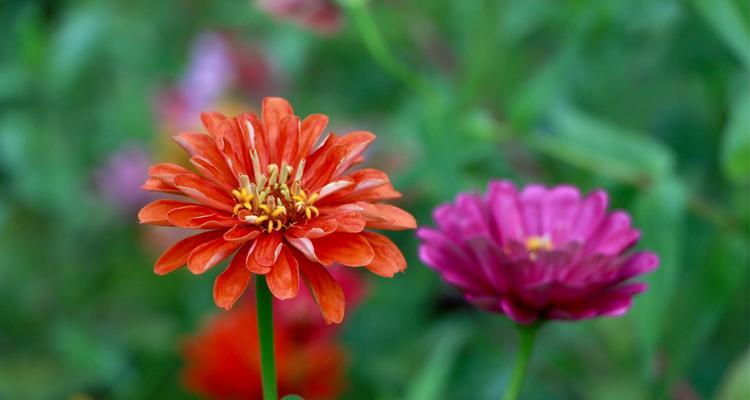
<point x="264" y="304"/>
<point x="527" y="336"/>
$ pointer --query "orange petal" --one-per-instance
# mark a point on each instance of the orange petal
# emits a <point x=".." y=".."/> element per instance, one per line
<point x="241" y="233"/>
<point x="231" y="283"/>
<point x="388" y="259"/>
<point x="232" y="142"/>
<point x="157" y="185"/>
<point x="177" y="255"/>
<point x="275" y="109"/>
<point x="312" y="127"/>
<point x="283" y="280"/>
<point x="289" y="140"/>
<point x="197" y="216"/>
<point x="369" y="185"/>
<point x="267" y="249"/>
<point x="256" y="136"/>
<point x="355" y="144"/>
<point x="204" y="146"/>
<point x="304" y="246"/>
<point x="209" y="254"/>
<point x="386" y="216"/>
<point x="349" y="249"/>
<point x="204" y="192"/>
<point x="205" y="168"/>
<point x="211" y="121"/>
<point x="166" y="172"/>
<point x="156" y="213"/>
<point x="325" y="290"/>
<point x="253" y="265"/>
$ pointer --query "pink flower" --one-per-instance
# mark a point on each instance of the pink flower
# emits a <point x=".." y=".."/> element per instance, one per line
<point x="543" y="253"/>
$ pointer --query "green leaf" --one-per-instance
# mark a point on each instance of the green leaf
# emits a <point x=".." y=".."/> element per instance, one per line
<point x="430" y="381"/>
<point x="604" y="148"/>
<point x="292" y="397"/>
<point x="735" y="385"/>
<point x="735" y="149"/>
<point x="726" y="19"/>
<point x="659" y="213"/>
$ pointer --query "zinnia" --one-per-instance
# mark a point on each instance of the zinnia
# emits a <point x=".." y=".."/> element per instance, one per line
<point x="284" y="207"/>
<point x="543" y="253"/>
<point x="222" y="361"/>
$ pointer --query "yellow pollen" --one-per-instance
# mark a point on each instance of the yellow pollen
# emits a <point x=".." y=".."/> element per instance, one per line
<point x="537" y="243"/>
<point x="274" y="199"/>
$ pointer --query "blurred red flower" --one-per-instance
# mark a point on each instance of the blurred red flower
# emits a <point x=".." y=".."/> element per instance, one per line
<point x="322" y="16"/>
<point x="223" y="361"/>
<point x="284" y="207"/>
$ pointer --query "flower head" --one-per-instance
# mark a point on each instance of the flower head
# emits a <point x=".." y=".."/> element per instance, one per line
<point x="222" y="361"/>
<point x="543" y="253"/>
<point x="284" y="207"/>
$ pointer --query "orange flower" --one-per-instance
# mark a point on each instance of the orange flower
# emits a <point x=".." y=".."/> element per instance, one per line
<point x="222" y="361"/>
<point x="283" y="207"/>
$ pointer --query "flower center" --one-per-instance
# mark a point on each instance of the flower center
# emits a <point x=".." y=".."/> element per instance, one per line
<point x="535" y="244"/>
<point x="275" y="200"/>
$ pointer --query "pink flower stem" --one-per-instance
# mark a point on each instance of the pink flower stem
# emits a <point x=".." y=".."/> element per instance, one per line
<point x="264" y="304"/>
<point x="527" y="335"/>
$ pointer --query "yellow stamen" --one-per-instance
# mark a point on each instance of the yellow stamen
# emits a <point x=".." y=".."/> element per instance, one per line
<point x="312" y="198"/>
<point x="278" y="211"/>
<point x="260" y="219"/>
<point x="537" y="243"/>
<point x="308" y="213"/>
<point x="265" y="208"/>
<point x="237" y="208"/>
<point x="315" y="210"/>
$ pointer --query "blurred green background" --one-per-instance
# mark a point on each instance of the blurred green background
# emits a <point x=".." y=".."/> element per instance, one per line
<point x="648" y="99"/>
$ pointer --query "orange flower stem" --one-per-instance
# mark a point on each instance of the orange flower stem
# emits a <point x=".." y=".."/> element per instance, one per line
<point x="526" y="345"/>
<point x="264" y="304"/>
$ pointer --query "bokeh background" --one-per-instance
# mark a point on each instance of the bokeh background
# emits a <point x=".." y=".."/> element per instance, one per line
<point x="648" y="99"/>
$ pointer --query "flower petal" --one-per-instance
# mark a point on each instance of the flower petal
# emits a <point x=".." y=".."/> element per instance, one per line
<point x="289" y="140"/>
<point x="196" y="216"/>
<point x="231" y="283"/>
<point x="166" y="172"/>
<point x="177" y="255"/>
<point x="211" y="121"/>
<point x="387" y="259"/>
<point x="312" y="127"/>
<point x="204" y="146"/>
<point x="253" y="265"/>
<point x="209" y="254"/>
<point x="283" y="280"/>
<point x="204" y="192"/>
<point x="507" y="222"/>
<point x="156" y="212"/>
<point x="350" y="249"/>
<point x="157" y="185"/>
<point x="275" y="109"/>
<point x="241" y="233"/>
<point x="267" y="249"/>
<point x="386" y="216"/>
<point x="327" y="293"/>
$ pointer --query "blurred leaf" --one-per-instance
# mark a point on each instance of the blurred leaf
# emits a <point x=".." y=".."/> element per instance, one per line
<point x="81" y="32"/>
<point x="431" y="380"/>
<point x="729" y="23"/>
<point x="603" y="148"/>
<point x="736" y="385"/>
<point x="735" y="151"/>
<point x="659" y="213"/>
<point x="718" y="275"/>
